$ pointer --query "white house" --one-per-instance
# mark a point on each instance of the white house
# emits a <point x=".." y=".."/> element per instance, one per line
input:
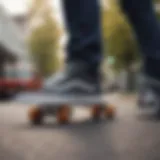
<point x="10" y="37"/>
<point x="12" y="42"/>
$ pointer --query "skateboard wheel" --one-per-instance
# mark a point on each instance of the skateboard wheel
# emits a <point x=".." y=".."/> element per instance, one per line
<point x="35" y="115"/>
<point x="96" y="112"/>
<point x="109" y="112"/>
<point x="63" y="114"/>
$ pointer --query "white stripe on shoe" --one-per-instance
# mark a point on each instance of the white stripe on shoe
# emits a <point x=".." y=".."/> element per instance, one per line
<point x="76" y="84"/>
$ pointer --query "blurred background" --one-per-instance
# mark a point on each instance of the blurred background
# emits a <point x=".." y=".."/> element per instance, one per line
<point x="33" y="40"/>
<point x="32" y="47"/>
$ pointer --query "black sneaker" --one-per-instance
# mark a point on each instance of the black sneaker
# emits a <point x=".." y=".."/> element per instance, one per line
<point x="75" y="79"/>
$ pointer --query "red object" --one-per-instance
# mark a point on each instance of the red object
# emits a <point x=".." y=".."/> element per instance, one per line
<point x="10" y="86"/>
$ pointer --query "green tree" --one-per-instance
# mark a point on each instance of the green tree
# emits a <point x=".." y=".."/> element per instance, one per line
<point x="157" y="6"/>
<point x="119" y="41"/>
<point x="44" y="38"/>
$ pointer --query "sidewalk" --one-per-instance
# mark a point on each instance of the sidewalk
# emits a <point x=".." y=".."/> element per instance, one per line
<point x="121" y="98"/>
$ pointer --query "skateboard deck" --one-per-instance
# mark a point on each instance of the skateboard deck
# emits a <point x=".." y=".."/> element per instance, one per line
<point x="36" y="98"/>
<point x="43" y="104"/>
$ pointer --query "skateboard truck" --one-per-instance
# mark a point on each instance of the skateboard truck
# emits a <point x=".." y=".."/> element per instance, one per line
<point x="63" y="113"/>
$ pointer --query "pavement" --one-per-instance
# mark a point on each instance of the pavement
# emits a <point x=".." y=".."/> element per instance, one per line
<point x="130" y="136"/>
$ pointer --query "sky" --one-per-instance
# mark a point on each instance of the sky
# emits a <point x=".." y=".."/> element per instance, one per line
<point x="20" y="6"/>
<point x="14" y="6"/>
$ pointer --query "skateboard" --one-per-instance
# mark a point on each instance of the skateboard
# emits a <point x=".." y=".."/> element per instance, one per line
<point x="42" y="105"/>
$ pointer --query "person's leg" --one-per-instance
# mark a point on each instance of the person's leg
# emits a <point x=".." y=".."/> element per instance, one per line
<point x="145" y="23"/>
<point x="84" y="49"/>
<point x="143" y="18"/>
<point x="82" y="19"/>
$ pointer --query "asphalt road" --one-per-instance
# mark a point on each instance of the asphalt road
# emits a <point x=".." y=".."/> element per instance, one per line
<point x="129" y="137"/>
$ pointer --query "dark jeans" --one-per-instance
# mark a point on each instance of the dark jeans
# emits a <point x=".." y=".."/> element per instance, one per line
<point x="84" y="26"/>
